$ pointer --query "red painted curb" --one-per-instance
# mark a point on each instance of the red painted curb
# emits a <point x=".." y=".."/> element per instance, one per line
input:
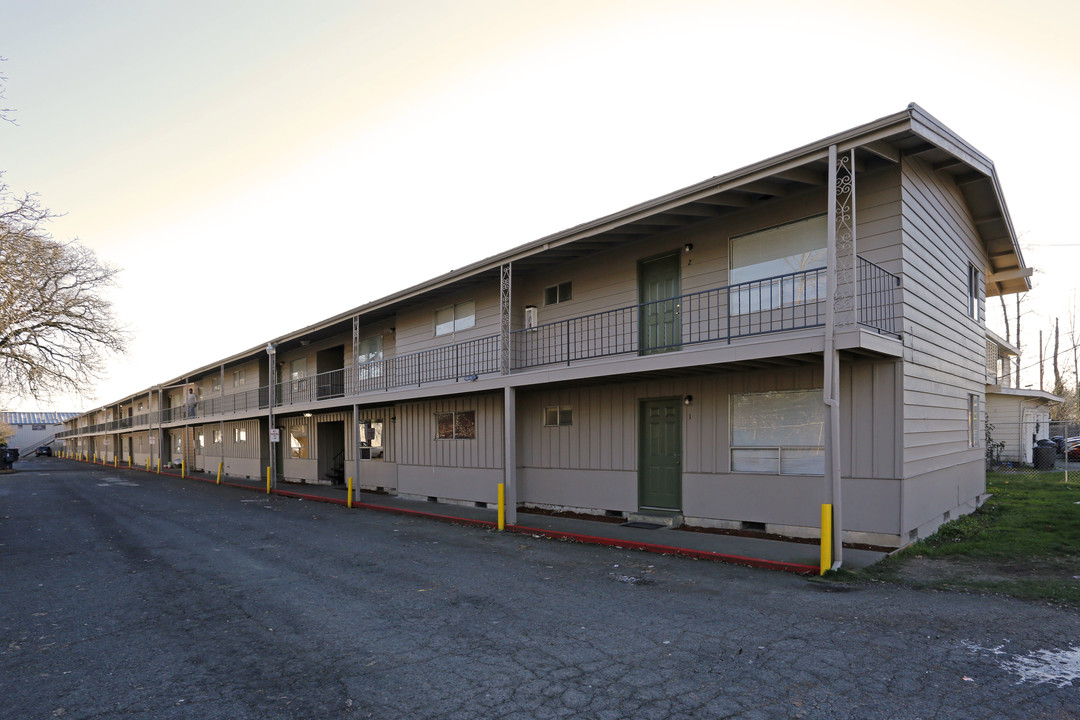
<point x="796" y="568"/>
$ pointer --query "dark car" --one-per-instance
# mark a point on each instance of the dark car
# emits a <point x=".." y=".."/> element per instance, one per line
<point x="1073" y="448"/>
<point x="43" y="450"/>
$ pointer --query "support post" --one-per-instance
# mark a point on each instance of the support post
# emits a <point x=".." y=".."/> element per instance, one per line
<point x="504" y="318"/>
<point x="267" y="479"/>
<point x="826" y="538"/>
<point x="219" y="466"/>
<point x="348" y="501"/>
<point x="502" y="506"/>
<point x="509" y="453"/>
<point x="271" y="472"/>
<point x="183" y="467"/>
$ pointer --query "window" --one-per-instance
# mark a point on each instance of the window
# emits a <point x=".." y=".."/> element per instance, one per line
<point x="779" y="432"/>
<point x="973" y="292"/>
<point x="239" y="435"/>
<point x="298" y="442"/>
<point x="217" y="437"/>
<point x="297" y="373"/>
<point x="369" y="350"/>
<point x="769" y="266"/>
<point x="558" y="293"/>
<point x="455" y="425"/>
<point x="455" y="318"/>
<point x="216" y="383"/>
<point x="238" y="378"/>
<point x="973" y="420"/>
<point x="371" y="439"/>
<point x="557" y="415"/>
<point x="202" y="440"/>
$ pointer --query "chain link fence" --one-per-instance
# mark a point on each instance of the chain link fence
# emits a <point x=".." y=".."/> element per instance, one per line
<point x="1032" y="445"/>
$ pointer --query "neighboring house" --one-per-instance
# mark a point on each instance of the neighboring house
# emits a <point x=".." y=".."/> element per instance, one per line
<point x="34" y="429"/>
<point x="1017" y="417"/>
<point x="736" y="353"/>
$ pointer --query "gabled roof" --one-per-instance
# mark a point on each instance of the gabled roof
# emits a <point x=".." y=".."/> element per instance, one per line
<point x="883" y="142"/>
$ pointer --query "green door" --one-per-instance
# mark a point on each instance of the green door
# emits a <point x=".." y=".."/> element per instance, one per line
<point x="658" y="293"/>
<point x="660" y="455"/>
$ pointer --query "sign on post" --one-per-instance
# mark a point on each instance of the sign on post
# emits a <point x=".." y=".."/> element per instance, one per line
<point x="275" y="435"/>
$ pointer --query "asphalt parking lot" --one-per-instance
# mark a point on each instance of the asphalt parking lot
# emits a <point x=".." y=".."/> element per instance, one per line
<point x="130" y="595"/>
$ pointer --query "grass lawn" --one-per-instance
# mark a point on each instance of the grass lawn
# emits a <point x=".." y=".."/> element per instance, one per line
<point x="1024" y="541"/>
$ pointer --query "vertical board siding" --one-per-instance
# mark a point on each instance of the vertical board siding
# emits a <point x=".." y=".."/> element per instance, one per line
<point x="418" y="444"/>
<point x="947" y="354"/>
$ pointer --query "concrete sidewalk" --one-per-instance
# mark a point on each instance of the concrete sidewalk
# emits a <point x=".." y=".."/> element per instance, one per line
<point x="794" y="557"/>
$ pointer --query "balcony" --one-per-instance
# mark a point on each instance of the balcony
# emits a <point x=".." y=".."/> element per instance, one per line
<point x="793" y="301"/>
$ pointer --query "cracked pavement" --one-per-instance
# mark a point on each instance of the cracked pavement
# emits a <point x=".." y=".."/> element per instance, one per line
<point x="130" y="595"/>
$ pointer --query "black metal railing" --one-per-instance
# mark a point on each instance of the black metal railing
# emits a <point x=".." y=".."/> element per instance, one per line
<point x="791" y="301"/>
<point x="877" y="297"/>
<point x="785" y="302"/>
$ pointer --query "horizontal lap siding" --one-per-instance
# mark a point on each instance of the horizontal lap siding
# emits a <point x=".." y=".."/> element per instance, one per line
<point x="416" y="325"/>
<point x="946" y="353"/>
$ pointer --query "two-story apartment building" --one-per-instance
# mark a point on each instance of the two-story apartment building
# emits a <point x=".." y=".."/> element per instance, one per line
<point x="805" y="330"/>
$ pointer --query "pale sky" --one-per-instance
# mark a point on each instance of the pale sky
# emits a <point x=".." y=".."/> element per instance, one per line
<point x="255" y="167"/>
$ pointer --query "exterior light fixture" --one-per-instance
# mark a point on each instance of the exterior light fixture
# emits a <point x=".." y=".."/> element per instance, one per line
<point x="687" y="400"/>
<point x="688" y="247"/>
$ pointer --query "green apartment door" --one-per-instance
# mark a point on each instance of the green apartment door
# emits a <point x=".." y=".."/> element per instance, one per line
<point x="658" y="292"/>
<point x="660" y="455"/>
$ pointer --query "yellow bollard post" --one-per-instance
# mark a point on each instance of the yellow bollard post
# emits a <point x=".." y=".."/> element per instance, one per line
<point x="267" y="480"/>
<point x="129" y="462"/>
<point x="220" y="463"/>
<point x="183" y="468"/>
<point x="147" y="464"/>
<point x="502" y="506"/>
<point x="159" y="466"/>
<point x="348" y="501"/>
<point x="115" y="461"/>
<point x="826" y="538"/>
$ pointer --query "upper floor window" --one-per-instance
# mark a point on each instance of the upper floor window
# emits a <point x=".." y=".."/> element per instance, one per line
<point x="768" y="265"/>
<point x="558" y="293"/>
<point x="238" y="378"/>
<point x="216" y="383"/>
<point x="455" y="318"/>
<point x="973" y="292"/>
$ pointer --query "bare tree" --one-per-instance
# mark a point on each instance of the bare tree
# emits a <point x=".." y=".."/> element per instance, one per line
<point x="56" y="326"/>
<point x="5" y="113"/>
<point x="1059" y="386"/>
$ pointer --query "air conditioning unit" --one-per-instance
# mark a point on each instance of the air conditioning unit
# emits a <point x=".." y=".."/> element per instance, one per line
<point x="530" y="317"/>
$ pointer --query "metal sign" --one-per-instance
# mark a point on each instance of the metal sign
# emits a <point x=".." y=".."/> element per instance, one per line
<point x="275" y="435"/>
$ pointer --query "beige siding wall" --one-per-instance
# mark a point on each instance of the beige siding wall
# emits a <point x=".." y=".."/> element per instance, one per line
<point x="946" y="355"/>
<point x="608" y="280"/>
<point x="464" y="470"/>
<point x="593" y="463"/>
<point x="416" y="324"/>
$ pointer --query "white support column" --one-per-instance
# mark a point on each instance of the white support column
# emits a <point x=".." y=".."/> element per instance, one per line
<point x="356" y="442"/>
<point x="839" y="314"/>
<point x="510" y="453"/>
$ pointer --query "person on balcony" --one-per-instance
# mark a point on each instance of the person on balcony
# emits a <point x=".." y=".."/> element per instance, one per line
<point x="190" y="401"/>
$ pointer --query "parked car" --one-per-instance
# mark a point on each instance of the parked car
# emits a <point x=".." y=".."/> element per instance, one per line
<point x="1072" y="446"/>
<point x="43" y="450"/>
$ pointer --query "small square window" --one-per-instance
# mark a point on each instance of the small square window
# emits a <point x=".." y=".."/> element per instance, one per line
<point x="239" y="435"/>
<point x="558" y="415"/>
<point x="455" y="425"/>
<point x="558" y="293"/>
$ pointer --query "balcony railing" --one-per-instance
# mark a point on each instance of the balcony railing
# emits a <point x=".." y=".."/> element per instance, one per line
<point x="786" y="302"/>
